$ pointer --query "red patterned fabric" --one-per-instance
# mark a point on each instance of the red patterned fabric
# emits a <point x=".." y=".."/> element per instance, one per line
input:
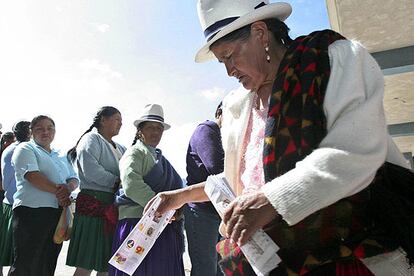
<point x="87" y="205"/>
<point x="296" y="122"/>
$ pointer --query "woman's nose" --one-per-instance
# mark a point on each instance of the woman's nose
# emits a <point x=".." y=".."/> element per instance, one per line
<point x="231" y="70"/>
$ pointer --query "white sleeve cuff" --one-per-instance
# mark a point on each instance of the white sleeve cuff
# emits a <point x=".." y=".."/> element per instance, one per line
<point x="31" y="168"/>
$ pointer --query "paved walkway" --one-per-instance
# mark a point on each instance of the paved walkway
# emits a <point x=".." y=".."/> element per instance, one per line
<point x="63" y="270"/>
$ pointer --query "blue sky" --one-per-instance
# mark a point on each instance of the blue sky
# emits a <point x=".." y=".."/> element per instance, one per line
<point x="68" y="58"/>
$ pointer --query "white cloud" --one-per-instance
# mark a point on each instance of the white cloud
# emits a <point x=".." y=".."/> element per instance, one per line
<point x="174" y="145"/>
<point x="101" y="27"/>
<point x="94" y="65"/>
<point x="213" y="94"/>
<point x="50" y="74"/>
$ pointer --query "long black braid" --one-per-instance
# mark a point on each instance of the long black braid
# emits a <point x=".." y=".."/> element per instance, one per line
<point x="106" y="111"/>
<point x="138" y="135"/>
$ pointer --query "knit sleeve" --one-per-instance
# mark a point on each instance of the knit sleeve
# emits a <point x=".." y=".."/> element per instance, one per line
<point x="89" y="151"/>
<point x="208" y="148"/>
<point x="355" y="145"/>
<point x="133" y="166"/>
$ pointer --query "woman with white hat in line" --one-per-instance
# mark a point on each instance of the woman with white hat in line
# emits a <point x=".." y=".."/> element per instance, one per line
<point x="314" y="109"/>
<point x="145" y="172"/>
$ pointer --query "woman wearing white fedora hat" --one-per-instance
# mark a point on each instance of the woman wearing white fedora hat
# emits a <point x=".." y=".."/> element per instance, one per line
<point x="314" y="109"/>
<point x="145" y="172"/>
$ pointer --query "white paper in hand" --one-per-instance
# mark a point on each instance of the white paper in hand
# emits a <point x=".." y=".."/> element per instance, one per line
<point x="141" y="239"/>
<point x="260" y="250"/>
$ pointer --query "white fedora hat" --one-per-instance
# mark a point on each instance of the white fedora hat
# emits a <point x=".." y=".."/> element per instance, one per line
<point x="152" y="113"/>
<point x="218" y="18"/>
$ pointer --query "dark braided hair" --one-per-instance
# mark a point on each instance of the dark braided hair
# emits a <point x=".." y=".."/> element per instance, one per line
<point x="106" y="111"/>
<point x="137" y="135"/>
<point x="278" y="28"/>
<point x="22" y="131"/>
<point x="219" y="110"/>
<point x="7" y="137"/>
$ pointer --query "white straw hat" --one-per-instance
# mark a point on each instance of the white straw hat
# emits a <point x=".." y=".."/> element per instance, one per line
<point x="218" y="18"/>
<point x="152" y="113"/>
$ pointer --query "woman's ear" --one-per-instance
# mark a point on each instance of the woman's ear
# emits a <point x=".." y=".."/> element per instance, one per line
<point x="102" y="121"/>
<point x="139" y="134"/>
<point x="260" y="32"/>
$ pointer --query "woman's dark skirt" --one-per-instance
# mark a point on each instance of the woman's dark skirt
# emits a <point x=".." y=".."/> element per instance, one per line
<point x="164" y="258"/>
<point x="6" y="235"/>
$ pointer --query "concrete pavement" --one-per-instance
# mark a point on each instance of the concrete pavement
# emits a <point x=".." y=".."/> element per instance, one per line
<point x="63" y="270"/>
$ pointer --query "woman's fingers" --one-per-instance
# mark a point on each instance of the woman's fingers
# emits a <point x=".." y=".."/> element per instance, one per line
<point x="237" y="229"/>
<point x="222" y="229"/>
<point x="62" y="191"/>
<point x="169" y="201"/>
<point x="245" y="235"/>
<point x="229" y="212"/>
<point x="246" y="214"/>
<point x="229" y="219"/>
<point x="149" y="203"/>
<point x="165" y="204"/>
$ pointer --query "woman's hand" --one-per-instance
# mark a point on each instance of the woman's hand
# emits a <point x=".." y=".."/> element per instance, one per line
<point x="62" y="195"/>
<point x="170" y="200"/>
<point x="246" y="214"/>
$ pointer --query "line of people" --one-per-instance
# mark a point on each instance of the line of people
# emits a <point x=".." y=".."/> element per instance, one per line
<point x="115" y="184"/>
<point x="306" y="151"/>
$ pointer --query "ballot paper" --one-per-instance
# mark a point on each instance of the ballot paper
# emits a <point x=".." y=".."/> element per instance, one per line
<point x="141" y="239"/>
<point x="260" y="250"/>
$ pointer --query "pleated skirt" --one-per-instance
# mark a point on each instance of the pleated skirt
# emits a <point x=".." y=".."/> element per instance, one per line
<point x="90" y="247"/>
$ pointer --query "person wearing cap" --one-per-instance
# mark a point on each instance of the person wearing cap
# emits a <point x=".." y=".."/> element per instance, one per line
<point x="21" y="131"/>
<point x="96" y="157"/>
<point x="313" y="110"/>
<point x="44" y="180"/>
<point x="145" y="172"/>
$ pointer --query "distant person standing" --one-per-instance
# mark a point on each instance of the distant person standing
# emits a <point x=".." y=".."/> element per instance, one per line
<point x="96" y="157"/>
<point x="205" y="156"/>
<point x="44" y="180"/>
<point x="6" y="140"/>
<point x="21" y="131"/>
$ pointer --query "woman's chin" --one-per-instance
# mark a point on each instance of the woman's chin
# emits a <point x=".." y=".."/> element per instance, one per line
<point x="247" y="85"/>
